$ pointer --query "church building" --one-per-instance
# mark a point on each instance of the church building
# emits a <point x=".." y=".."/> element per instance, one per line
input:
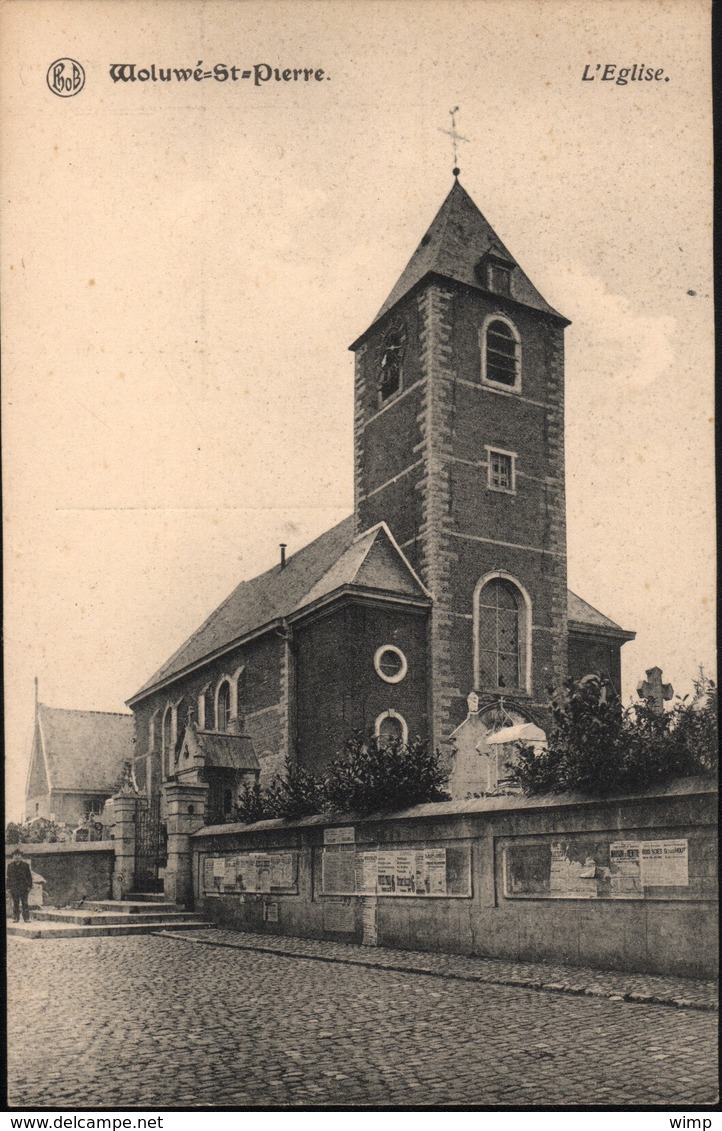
<point x="439" y="608"/>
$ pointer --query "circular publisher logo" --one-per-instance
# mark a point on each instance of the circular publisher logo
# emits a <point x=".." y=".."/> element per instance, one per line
<point x="66" y="77"/>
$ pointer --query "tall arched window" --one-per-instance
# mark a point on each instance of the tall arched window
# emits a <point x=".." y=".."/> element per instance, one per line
<point x="223" y="715"/>
<point x="167" y="739"/>
<point x="501" y="354"/>
<point x="205" y="709"/>
<point x="502" y="625"/>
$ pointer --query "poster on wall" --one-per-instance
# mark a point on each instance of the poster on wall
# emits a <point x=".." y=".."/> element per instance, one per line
<point x="338" y="871"/>
<point x="386" y="873"/>
<point x="405" y="873"/>
<point x="435" y="871"/>
<point x="369" y="922"/>
<point x="572" y="878"/>
<point x="624" y="867"/>
<point x="366" y="868"/>
<point x="664" y="863"/>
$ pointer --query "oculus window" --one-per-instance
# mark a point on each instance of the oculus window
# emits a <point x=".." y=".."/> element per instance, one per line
<point x="390" y="663"/>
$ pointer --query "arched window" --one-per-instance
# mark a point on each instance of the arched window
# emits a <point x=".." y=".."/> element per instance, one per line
<point x="223" y="713"/>
<point x="390" y="726"/>
<point x="501" y="354"/>
<point x="390" y="368"/>
<point x="167" y="739"/>
<point x="502" y="626"/>
<point x="205" y="709"/>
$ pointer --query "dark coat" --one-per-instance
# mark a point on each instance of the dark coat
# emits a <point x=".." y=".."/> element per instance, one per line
<point x="19" y="877"/>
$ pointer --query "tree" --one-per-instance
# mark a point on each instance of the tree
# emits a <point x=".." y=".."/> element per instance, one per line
<point x="597" y="747"/>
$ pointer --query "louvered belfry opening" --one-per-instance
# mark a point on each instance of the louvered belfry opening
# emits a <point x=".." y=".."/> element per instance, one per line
<point x="502" y="354"/>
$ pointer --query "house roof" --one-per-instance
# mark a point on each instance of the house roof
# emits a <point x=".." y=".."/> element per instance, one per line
<point x="459" y="237"/>
<point x="333" y="562"/>
<point x="84" y="750"/>
<point x="584" y="616"/>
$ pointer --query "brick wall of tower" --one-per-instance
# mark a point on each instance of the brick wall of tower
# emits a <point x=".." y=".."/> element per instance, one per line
<point x="422" y="466"/>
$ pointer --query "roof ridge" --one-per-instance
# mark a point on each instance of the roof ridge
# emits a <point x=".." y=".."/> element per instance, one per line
<point x="86" y="711"/>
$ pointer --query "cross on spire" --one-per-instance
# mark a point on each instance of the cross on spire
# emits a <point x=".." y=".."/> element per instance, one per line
<point x="456" y="137"/>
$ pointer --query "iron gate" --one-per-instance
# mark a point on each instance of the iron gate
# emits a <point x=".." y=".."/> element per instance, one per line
<point x="151" y="838"/>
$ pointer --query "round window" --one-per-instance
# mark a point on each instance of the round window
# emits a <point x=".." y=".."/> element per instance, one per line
<point x="390" y="663"/>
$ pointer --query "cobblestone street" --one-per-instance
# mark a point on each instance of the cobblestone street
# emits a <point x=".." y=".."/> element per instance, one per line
<point x="156" y="1022"/>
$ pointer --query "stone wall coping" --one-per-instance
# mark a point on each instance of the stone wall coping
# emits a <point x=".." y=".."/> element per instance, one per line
<point x="681" y="787"/>
<point x="59" y="848"/>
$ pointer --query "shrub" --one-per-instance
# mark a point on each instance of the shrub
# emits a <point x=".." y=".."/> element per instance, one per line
<point x="297" y="793"/>
<point x="251" y="804"/>
<point x="596" y="747"/>
<point x="379" y="776"/>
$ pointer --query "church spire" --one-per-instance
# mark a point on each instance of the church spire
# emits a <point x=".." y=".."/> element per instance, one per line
<point x="456" y="247"/>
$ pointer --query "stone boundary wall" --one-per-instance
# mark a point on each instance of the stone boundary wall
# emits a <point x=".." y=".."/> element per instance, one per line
<point x="491" y="902"/>
<point x="72" y="871"/>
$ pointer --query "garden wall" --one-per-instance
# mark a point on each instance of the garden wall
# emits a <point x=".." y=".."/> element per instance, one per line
<point x="625" y="883"/>
<point x="72" y="872"/>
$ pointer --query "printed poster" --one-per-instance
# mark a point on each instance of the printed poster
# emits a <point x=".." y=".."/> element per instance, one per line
<point x="571" y="878"/>
<point x="664" y="863"/>
<point x="338" y="871"/>
<point x="366" y="866"/>
<point x="624" y="867"/>
<point x="435" y="871"/>
<point x="386" y="873"/>
<point x="405" y="873"/>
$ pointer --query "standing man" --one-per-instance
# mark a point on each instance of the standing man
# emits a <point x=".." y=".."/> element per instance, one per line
<point x="20" y="883"/>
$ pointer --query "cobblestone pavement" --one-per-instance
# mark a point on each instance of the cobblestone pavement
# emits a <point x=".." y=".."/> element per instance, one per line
<point x="164" y="1022"/>
<point x="615" y="984"/>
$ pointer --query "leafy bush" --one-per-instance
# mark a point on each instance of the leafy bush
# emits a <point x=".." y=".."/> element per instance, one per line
<point x="297" y="793"/>
<point x="39" y="830"/>
<point x="375" y="775"/>
<point x="251" y="804"/>
<point x="596" y="747"/>
<point x="370" y="776"/>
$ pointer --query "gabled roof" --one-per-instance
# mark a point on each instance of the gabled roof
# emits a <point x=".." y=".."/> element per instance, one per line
<point x="585" y="617"/>
<point x="84" y="750"/>
<point x="459" y="237"/>
<point x="224" y="751"/>
<point x="335" y="561"/>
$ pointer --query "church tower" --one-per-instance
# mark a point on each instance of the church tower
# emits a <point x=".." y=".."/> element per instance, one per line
<point x="459" y="447"/>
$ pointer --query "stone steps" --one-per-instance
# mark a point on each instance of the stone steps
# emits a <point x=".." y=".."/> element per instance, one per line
<point x="129" y="906"/>
<point x="139" y="926"/>
<point x="98" y="917"/>
<point x="87" y="917"/>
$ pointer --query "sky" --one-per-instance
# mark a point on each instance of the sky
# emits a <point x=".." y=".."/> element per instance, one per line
<point x="184" y="265"/>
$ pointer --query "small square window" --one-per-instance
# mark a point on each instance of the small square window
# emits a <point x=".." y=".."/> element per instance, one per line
<point x="501" y="471"/>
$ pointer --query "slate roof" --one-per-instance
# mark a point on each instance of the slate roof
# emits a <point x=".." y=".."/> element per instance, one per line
<point x="458" y="238"/>
<point x="84" y="750"/>
<point x="581" y="613"/>
<point x="331" y="562"/>
<point x="228" y="751"/>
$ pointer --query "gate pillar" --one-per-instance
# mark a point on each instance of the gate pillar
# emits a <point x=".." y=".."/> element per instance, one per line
<point x="186" y="805"/>
<point x="124" y="809"/>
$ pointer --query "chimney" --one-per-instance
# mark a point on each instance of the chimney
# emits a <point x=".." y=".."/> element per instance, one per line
<point x="283" y="554"/>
